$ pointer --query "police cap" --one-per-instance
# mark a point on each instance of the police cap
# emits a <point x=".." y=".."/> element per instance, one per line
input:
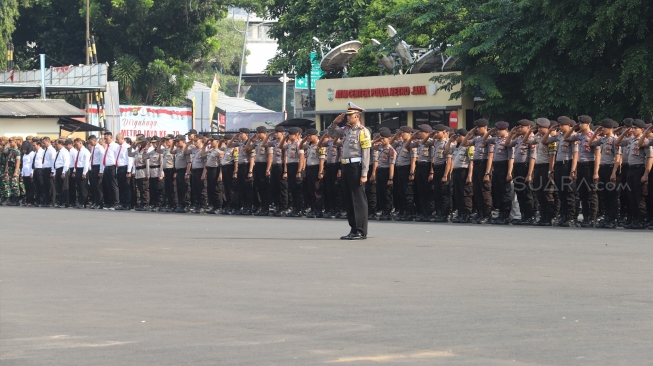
<point x="385" y="133"/>
<point x="481" y="122"/>
<point x="628" y="122"/>
<point x="501" y="125"/>
<point x="543" y="122"/>
<point x="639" y="123"/>
<point x="294" y="130"/>
<point x="440" y="127"/>
<point x="462" y="132"/>
<point x="261" y="129"/>
<point x="607" y="123"/>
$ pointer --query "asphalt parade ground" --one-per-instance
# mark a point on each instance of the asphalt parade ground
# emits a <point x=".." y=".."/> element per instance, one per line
<point x="88" y="287"/>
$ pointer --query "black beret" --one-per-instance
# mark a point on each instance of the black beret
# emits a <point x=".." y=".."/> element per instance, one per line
<point x="244" y="130"/>
<point x="294" y="130"/>
<point x="261" y="129"/>
<point x="311" y="131"/>
<point x="628" y="122"/>
<point x="340" y="133"/>
<point x="501" y="125"/>
<point x="385" y="133"/>
<point x="607" y="123"/>
<point x="525" y="122"/>
<point x="406" y="129"/>
<point x="639" y="123"/>
<point x="461" y="131"/>
<point x="425" y="128"/>
<point x="384" y="129"/>
<point x="440" y="127"/>
<point x="543" y="122"/>
<point x="228" y="136"/>
<point x="279" y="129"/>
<point x="564" y="121"/>
<point x="584" y="119"/>
<point x="192" y="131"/>
<point x="180" y="138"/>
<point x="481" y="122"/>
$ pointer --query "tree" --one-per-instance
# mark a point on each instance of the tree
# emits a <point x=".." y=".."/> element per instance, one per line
<point x="8" y="15"/>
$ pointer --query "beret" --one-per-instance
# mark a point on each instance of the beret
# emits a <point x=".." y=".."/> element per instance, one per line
<point x="279" y="129"/>
<point x="154" y="138"/>
<point x="628" y="122"/>
<point x="385" y="133"/>
<point x="311" y="131"/>
<point x="244" y="130"/>
<point x="192" y="131"/>
<point x="564" y="121"/>
<point x="461" y="131"/>
<point x="340" y="133"/>
<point x="180" y="137"/>
<point x="425" y="128"/>
<point x="639" y="123"/>
<point x="261" y="129"/>
<point x="406" y="129"/>
<point x="294" y="130"/>
<point x="501" y="125"/>
<point x="322" y="133"/>
<point x="584" y="119"/>
<point x="607" y="123"/>
<point x="440" y="127"/>
<point x="481" y="122"/>
<point x="525" y="122"/>
<point x="543" y="122"/>
<point x="384" y="129"/>
<point x="553" y="123"/>
<point x="228" y="136"/>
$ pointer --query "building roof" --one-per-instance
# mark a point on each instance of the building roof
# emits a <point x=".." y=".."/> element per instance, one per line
<point x="37" y="108"/>
<point x="229" y="104"/>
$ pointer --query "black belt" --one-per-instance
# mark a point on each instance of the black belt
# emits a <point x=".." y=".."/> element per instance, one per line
<point x="585" y="162"/>
<point x="635" y="166"/>
<point x="477" y="161"/>
<point x="606" y="166"/>
<point x="563" y="162"/>
<point x="96" y="165"/>
<point x="520" y="163"/>
<point x="427" y="163"/>
<point x="109" y="166"/>
<point x="140" y="167"/>
<point x="154" y="166"/>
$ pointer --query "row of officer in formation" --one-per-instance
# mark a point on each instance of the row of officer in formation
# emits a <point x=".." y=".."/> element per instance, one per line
<point x="558" y="168"/>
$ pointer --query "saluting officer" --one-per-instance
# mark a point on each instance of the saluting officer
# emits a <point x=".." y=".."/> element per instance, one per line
<point x="170" y="186"/>
<point x="228" y="175"/>
<point x="404" y="174"/>
<point x="482" y="170"/>
<point x="315" y="156"/>
<point x="640" y="160"/>
<point x="542" y="184"/>
<point x="156" y="174"/>
<point x="385" y="174"/>
<point x="522" y="170"/>
<point x="138" y="151"/>
<point x="608" y="169"/>
<point x="462" y="172"/>
<point x="423" y="171"/>
<point x="278" y="174"/>
<point x="562" y="168"/>
<point x="355" y="164"/>
<point x="502" y="160"/>
<point x="262" y="170"/>
<point x="332" y="191"/>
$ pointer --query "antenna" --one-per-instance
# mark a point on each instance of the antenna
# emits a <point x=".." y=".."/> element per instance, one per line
<point x="402" y="48"/>
<point x="340" y="57"/>
<point x="433" y="60"/>
<point x="386" y="63"/>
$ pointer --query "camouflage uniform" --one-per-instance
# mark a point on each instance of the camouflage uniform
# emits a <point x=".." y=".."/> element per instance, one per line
<point x="11" y="184"/>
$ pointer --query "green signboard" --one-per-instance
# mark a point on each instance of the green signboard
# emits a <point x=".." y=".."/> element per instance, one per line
<point x="316" y="74"/>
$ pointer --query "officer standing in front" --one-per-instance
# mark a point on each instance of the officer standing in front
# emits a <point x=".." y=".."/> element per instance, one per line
<point x="355" y="163"/>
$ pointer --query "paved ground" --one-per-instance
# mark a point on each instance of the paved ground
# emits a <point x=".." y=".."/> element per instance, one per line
<point x="126" y="288"/>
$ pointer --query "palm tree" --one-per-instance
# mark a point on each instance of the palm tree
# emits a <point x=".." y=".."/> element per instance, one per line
<point x="127" y="71"/>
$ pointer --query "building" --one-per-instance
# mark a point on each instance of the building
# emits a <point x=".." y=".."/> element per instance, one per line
<point x="36" y="117"/>
<point x="260" y="46"/>
<point x="391" y="101"/>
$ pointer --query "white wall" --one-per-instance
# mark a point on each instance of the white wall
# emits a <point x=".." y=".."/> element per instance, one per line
<point x="29" y="126"/>
<point x="260" y="54"/>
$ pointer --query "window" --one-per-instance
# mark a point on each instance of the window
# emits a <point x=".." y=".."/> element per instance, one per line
<point x="391" y="120"/>
<point x="431" y="117"/>
<point x="326" y="119"/>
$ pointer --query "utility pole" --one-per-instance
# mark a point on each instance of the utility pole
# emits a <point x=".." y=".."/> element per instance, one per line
<point x="88" y="56"/>
<point x="242" y="57"/>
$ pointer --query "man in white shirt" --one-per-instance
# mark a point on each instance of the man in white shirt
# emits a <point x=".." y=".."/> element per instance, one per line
<point x="108" y="170"/>
<point x="123" y="175"/>
<point x="37" y="165"/>
<point x="72" y="183"/>
<point x="81" y="164"/>
<point x="60" y="172"/>
<point x="49" y="191"/>
<point x="96" y="156"/>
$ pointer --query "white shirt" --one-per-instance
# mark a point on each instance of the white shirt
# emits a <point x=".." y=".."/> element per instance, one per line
<point x="62" y="160"/>
<point x="48" y="158"/>
<point x="98" y="153"/>
<point x="73" y="156"/>
<point x="82" y="161"/>
<point x="124" y="159"/>
<point x="110" y="155"/>
<point x="27" y="164"/>
<point x="38" y="159"/>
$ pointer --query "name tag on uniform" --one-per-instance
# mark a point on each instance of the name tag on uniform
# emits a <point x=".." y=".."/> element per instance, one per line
<point x="440" y="154"/>
<point x="587" y="147"/>
<point x="425" y="151"/>
<point x="608" y="149"/>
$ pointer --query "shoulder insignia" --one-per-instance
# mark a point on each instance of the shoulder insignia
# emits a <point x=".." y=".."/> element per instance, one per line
<point x="365" y="141"/>
<point x="470" y="152"/>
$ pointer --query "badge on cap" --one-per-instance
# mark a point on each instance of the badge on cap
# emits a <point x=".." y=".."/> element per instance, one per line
<point x="353" y="108"/>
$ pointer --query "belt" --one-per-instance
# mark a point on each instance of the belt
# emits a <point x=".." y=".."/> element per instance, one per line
<point x="140" y="167"/>
<point x="109" y="166"/>
<point x="563" y="162"/>
<point x="154" y="166"/>
<point x="478" y="160"/>
<point x="351" y="160"/>
<point x="585" y="162"/>
<point x="427" y="163"/>
<point x="606" y="166"/>
<point x="96" y="165"/>
<point x="635" y="166"/>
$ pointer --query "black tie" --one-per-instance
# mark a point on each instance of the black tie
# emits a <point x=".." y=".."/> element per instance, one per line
<point x="44" y="152"/>
<point x="34" y="161"/>
<point x="54" y="163"/>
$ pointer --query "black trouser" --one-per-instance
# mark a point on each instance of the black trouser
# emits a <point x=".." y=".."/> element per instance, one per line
<point x="566" y="188"/>
<point x="62" y="186"/>
<point x="111" y="182"/>
<point x="198" y="187"/>
<point x="523" y="190"/>
<point x="330" y="189"/>
<point x="82" y="190"/>
<point x="230" y="194"/>
<point x="354" y="198"/>
<point x="124" y="186"/>
<point x="462" y="191"/>
<point x="295" y="187"/>
<point x="133" y="194"/>
<point x="212" y="187"/>
<point x="383" y="190"/>
<point x="543" y="189"/>
<point x="170" y="187"/>
<point x="278" y="187"/>
<point x="96" y="185"/>
<point x="49" y="188"/>
<point x="183" y="195"/>
<point x="72" y="187"/>
<point x="29" y="189"/>
<point x="587" y="190"/>
<point x="143" y="186"/>
<point x="424" y="188"/>
<point x="314" y="187"/>
<point x="245" y="187"/>
<point x="501" y="196"/>
<point x="403" y="190"/>
<point x="609" y="192"/>
<point x="262" y="185"/>
<point x="441" y="191"/>
<point x="156" y="192"/>
<point x="637" y="192"/>
<point x="482" y="189"/>
<point x="624" y="209"/>
<point x="370" y="192"/>
<point x="39" y="186"/>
